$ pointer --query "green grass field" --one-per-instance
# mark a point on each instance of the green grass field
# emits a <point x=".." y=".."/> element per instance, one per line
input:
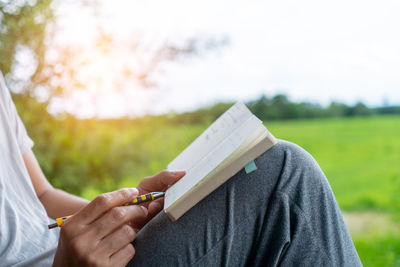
<point x="360" y="157"/>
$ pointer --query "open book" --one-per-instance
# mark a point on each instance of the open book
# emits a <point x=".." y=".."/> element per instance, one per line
<point x="236" y="138"/>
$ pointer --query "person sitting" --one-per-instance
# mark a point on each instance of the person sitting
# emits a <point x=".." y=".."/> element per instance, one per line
<point x="283" y="213"/>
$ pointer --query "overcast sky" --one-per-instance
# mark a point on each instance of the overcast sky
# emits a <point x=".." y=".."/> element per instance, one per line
<point x="312" y="50"/>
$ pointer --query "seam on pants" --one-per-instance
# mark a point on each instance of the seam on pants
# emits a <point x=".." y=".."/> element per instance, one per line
<point x="302" y="214"/>
<point x="210" y="250"/>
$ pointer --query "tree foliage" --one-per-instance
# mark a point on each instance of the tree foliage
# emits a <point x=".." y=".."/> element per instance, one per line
<point x="59" y="70"/>
<point x="23" y="23"/>
<point x="77" y="154"/>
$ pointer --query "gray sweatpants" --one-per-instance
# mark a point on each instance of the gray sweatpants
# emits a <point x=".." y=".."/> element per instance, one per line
<point x="284" y="213"/>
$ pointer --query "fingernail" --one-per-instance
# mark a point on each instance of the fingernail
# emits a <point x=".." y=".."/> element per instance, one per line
<point x="145" y="210"/>
<point x="134" y="191"/>
<point x="155" y="205"/>
<point x="176" y="173"/>
<point x="158" y="205"/>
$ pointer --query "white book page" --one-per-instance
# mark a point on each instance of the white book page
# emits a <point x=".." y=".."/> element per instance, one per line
<point x="211" y="137"/>
<point x="254" y="138"/>
<point x="208" y="163"/>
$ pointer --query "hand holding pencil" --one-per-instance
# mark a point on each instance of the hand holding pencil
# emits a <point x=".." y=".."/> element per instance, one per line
<point x="137" y="200"/>
<point x="103" y="230"/>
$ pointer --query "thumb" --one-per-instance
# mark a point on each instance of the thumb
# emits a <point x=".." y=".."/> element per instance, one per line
<point x="161" y="181"/>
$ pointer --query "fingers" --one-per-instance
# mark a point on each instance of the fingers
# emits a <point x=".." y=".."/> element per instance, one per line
<point x="115" y="218"/>
<point x="103" y="203"/>
<point x="123" y="256"/>
<point x="99" y="234"/>
<point x="96" y="243"/>
<point x="155" y="207"/>
<point x="117" y="240"/>
<point x="160" y="181"/>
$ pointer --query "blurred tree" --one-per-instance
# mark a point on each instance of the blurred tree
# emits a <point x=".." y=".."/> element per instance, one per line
<point x="282" y="107"/>
<point x="336" y="109"/>
<point x="73" y="153"/>
<point x="358" y="109"/>
<point x="261" y="107"/>
<point x="23" y="24"/>
<point x="35" y="62"/>
<point x="203" y="115"/>
<point x="107" y="59"/>
<point x="309" y="110"/>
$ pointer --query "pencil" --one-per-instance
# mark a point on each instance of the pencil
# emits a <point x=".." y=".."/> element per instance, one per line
<point x="137" y="200"/>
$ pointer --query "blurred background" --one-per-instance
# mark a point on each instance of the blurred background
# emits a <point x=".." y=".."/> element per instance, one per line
<point x="111" y="91"/>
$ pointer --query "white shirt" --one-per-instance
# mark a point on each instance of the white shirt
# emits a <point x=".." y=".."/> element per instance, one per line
<point x="25" y="239"/>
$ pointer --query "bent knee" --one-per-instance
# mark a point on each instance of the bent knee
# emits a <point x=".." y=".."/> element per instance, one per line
<point x="297" y="168"/>
<point x="296" y="155"/>
<point x="289" y="155"/>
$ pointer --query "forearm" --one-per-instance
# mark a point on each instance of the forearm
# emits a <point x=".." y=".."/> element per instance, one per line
<point x="56" y="202"/>
<point x="59" y="203"/>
